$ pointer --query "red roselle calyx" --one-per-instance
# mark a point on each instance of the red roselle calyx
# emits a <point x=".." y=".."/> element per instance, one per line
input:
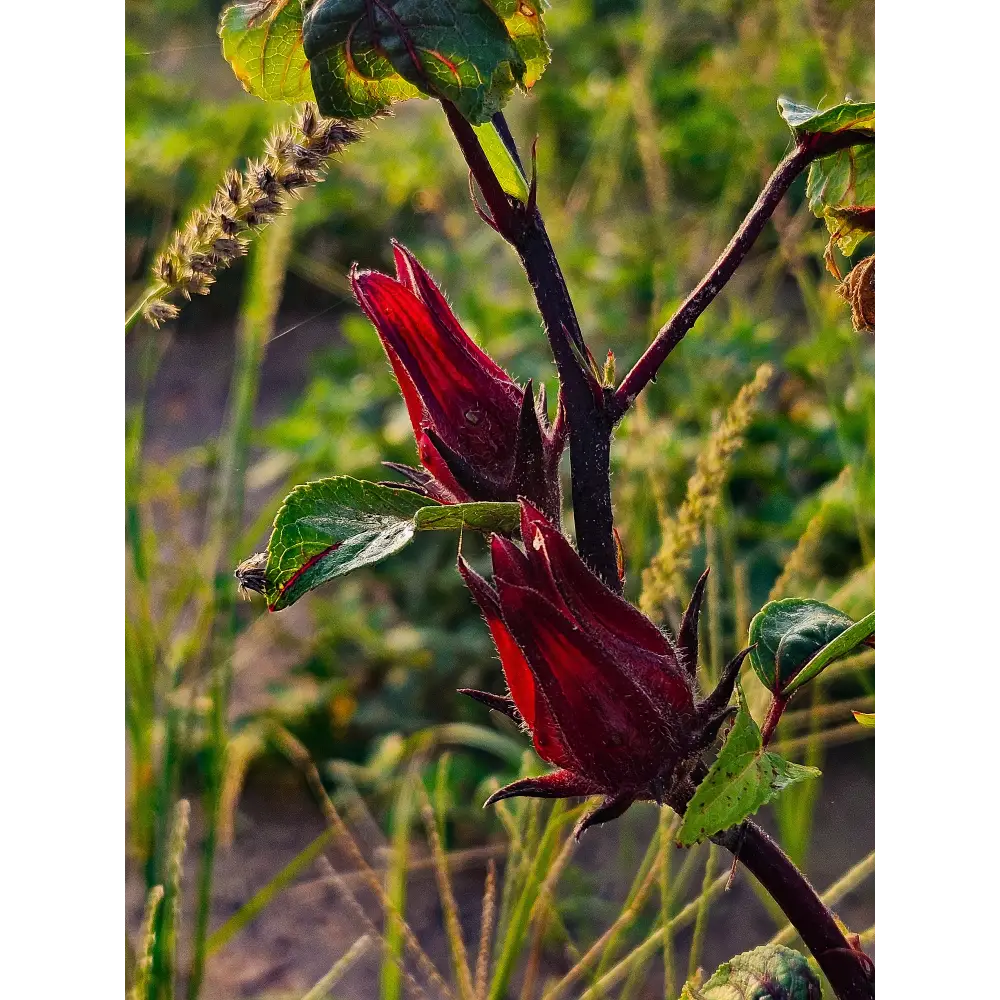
<point x="479" y="435"/>
<point x="609" y="699"/>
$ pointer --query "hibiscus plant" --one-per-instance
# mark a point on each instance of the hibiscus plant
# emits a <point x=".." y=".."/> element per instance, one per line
<point x="609" y="698"/>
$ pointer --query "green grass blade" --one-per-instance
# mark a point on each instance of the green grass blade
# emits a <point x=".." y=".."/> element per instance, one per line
<point x="516" y="932"/>
<point x="262" y="296"/>
<point x="701" y="919"/>
<point x="649" y="947"/>
<point x="395" y="887"/>
<point x="322" y="989"/>
<point x="260" y="899"/>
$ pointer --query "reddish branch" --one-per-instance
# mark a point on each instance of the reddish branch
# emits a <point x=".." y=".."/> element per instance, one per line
<point x="672" y="332"/>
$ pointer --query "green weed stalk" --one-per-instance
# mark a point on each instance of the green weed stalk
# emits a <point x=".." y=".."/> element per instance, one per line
<point x="262" y="296"/>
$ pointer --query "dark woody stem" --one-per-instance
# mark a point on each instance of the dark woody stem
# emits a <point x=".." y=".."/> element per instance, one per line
<point x="851" y="974"/>
<point x="672" y="332"/>
<point x="590" y="424"/>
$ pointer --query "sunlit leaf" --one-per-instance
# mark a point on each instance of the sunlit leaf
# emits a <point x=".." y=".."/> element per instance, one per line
<point x="262" y="42"/>
<point x="785" y="635"/>
<point x="804" y="120"/>
<point x="743" y="778"/>
<point x="483" y="516"/>
<point x="332" y="526"/>
<point x="364" y="56"/>
<point x="770" y="972"/>
<point x="866" y="719"/>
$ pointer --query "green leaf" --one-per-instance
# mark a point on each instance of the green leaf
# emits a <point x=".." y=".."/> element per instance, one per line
<point x="743" y="778"/>
<point x="804" y="120"/>
<point x="841" y="190"/>
<point x="841" y="646"/>
<point x="262" y="42"/>
<point x="508" y="172"/>
<point x="786" y="634"/>
<point x="523" y="21"/>
<point x="455" y="50"/>
<point x="841" y="187"/>
<point x="330" y="527"/>
<point x="866" y="719"/>
<point x="351" y="76"/>
<point x="483" y="516"/>
<point x="770" y="972"/>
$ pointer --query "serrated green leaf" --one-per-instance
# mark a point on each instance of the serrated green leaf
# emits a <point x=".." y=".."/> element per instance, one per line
<point x="804" y="120"/>
<point x="770" y="972"/>
<point x="743" y="778"/>
<point x="351" y="76"/>
<point x="785" y="635"/>
<point x="483" y="516"/>
<point x="866" y="719"/>
<point x="364" y="56"/>
<point x="330" y="527"/>
<point x="850" y="225"/>
<point x="262" y="42"/>
<point x="523" y="20"/>
<point x="841" y="190"/>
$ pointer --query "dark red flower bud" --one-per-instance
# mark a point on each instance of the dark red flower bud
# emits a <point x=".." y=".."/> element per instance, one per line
<point x="608" y="697"/>
<point x="479" y="435"/>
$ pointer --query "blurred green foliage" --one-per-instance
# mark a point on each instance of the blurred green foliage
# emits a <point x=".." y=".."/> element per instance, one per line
<point x="657" y="128"/>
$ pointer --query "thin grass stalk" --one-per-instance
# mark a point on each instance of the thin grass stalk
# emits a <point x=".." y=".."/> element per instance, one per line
<point x="339" y="883"/>
<point x="525" y="812"/>
<point x="649" y="947"/>
<point x="167" y="788"/>
<point x="835" y="710"/>
<point x="795" y="812"/>
<point x="542" y="912"/>
<point x="262" y="296"/>
<point x="147" y="941"/>
<point x="391" y="981"/>
<point x="558" y="927"/>
<point x="605" y="946"/>
<point x="637" y="977"/>
<point x="449" y="905"/>
<point x="514" y="935"/>
<point x="847" y="883"/>
<point x="510" y="879"/>
<point x="714" y="603"/>
<point x="267" y="893"/>
<point x="486" y="924"/>
<point x="164" y="964"/>
<point x="142" y="650"/>
<point x="441" y="794"/>
<point x="535" y="954"/>
<point x="322" y="989"/>
<point x="668" y="824"/>
<point x="741" y="601"/>
<point x="847" y="733"/>
<point x="701" y="918"/>
<point x="299" y="756"/>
